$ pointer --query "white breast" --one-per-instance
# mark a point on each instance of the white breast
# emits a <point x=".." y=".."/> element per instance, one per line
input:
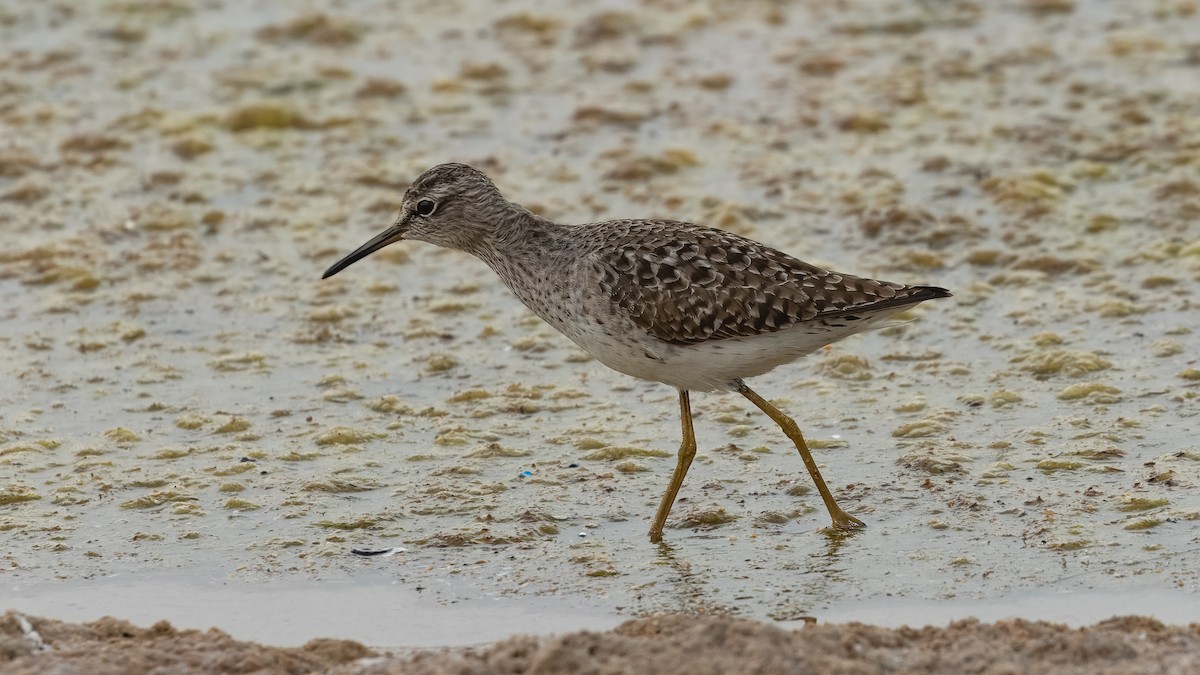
<point x="707" y="366"/>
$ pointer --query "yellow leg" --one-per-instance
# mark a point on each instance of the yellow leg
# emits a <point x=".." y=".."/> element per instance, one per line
<point x="687" y="452"/>
<point x="841" y="519"/>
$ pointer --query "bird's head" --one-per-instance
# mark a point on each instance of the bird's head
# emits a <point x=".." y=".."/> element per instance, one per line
<point x="451" y="205"/>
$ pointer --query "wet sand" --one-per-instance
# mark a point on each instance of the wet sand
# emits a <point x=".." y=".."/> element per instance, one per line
<point x="191" y="413"/>
<point x="660" y="644"/>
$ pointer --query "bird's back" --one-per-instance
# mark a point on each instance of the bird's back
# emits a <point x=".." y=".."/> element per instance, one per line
<point x="687" y="284"/>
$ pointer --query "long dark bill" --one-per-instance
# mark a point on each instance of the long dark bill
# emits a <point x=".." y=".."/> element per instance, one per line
<point x="389" y="236"/>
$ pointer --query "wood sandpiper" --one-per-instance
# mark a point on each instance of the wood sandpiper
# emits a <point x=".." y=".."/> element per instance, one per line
<point x="694" y="307"/>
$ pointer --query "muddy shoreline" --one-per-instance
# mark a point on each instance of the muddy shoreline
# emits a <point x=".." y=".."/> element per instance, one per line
<point x="660" y="644"/>
<point x="189" y="409"/>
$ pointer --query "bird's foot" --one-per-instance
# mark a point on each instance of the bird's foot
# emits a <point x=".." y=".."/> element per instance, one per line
<point x="844" y="522"/>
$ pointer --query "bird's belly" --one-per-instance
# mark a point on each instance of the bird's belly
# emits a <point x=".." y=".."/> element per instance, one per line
<point x="714" y="365"/>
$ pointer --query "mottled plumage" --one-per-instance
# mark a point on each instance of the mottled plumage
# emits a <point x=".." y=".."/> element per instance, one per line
<point x="685" y="283"/>
<point x="694" y="307"/>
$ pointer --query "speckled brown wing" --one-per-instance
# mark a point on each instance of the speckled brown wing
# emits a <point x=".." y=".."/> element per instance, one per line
<point x="686" y="284"/>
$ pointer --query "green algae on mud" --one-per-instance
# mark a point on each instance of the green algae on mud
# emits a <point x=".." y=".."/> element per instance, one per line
<point x="16" y="494"/>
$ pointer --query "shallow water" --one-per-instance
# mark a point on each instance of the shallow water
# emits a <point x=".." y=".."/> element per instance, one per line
<point x="396" y="617"/>
<point x="192" y="410"/>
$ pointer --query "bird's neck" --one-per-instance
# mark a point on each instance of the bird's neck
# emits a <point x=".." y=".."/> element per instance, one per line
<point x="524" y="248"/>
<point x="519" y="237"/>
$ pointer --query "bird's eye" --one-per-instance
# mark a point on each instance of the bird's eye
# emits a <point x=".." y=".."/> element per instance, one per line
<point x="425" y="207"/>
